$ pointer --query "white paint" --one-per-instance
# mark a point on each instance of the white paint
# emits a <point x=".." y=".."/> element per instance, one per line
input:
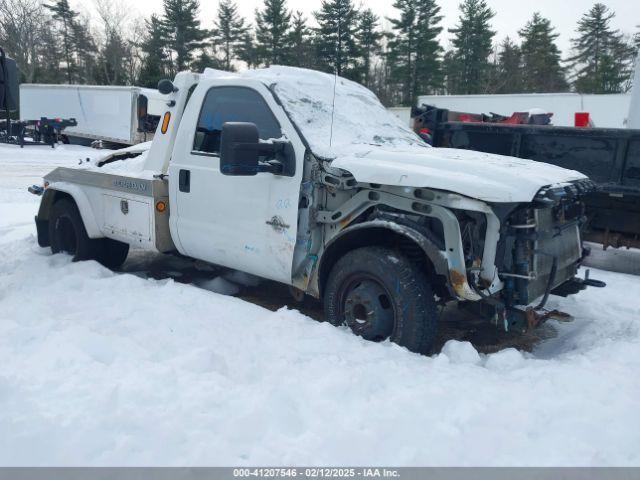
<point x="606" y="111"/>
<point x="634" y="107"/>
<point x="101" y="112"/>
<point x="485" y="176"/>
<point x="223" y="218"/>
<point x="134" y="223"/>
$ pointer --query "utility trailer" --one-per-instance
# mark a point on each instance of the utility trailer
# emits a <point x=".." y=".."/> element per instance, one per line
<point x="114" y="115"/>
<point x="608" y="156"/>
<point x="304" y="178"/>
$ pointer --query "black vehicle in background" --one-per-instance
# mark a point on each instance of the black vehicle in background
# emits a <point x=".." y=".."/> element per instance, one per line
<point x="608" y="156"/>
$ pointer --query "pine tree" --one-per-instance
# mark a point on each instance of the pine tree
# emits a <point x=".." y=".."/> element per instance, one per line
<point x="468" y="65"/>
<point x="541" y="68"/>
<point x="48" y="70"/>
<point x="154" y="68"/>
<point x="335" y="43"/>
<point x="602" y="61"/>
<point x="429" y="75"/>
<point x="300" y="42"/>
<point x="85" y="52"/>
<point x="248" y="51"/>
<point x="182" y="29"/>
<point x="369" y="38"/>
<point x="113" y="57"/>
<point x="273" y="25"/>
<point x="229" y="32"/>
<point x="508" y="78"/>
<point x="414" y="52"/>
<point x="205" y="60"/>
<point x="65" y="17"/>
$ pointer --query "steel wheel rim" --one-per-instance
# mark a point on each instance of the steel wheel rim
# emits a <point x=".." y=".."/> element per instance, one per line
<point x="366" y="307"/>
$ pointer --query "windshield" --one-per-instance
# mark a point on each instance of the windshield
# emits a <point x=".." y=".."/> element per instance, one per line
<point x="359" y="119"/>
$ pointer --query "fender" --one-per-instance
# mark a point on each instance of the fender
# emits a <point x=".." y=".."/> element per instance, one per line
<point x="88" y="218"/>
<point x="351" y="237"/>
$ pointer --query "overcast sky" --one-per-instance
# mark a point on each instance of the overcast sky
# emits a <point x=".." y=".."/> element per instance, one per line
<point x="511" y="15"/>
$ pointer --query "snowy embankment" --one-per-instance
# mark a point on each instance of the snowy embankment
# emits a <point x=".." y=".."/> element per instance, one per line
<point x="99" y="368"/>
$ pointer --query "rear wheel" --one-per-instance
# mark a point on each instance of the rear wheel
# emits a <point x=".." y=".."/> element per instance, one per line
<point x="379" y="294"/>
<point x="112" y="253"/>
<point x="67" y="233"/>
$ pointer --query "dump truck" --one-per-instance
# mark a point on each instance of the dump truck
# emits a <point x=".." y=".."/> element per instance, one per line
<point x="304" y="178"/>
<point x="609" y="156"/>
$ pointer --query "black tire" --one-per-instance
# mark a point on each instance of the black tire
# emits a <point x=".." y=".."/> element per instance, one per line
<point x="67" y="233"/>
<point x="380" y="294"/>
<point x="112" y="253"/>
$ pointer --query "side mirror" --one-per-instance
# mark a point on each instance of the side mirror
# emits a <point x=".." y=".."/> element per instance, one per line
<point x="240" y="151"/>
<point x="166" y="87"/>
<point x="239" y="144"/>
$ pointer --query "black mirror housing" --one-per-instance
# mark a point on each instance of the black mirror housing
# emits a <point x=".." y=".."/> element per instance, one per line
<point x="166" y="87"/>
<point x="241" y="150"/>
<point x="239" y="144"/>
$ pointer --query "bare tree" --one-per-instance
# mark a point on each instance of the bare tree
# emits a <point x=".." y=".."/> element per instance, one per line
<point x="22" y="28"/>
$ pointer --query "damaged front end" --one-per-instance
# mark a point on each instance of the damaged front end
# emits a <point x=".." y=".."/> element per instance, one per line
<point x="539" y="253"/>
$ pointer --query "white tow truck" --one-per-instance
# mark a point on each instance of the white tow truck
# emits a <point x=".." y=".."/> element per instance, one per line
<point x="304" y="178"/>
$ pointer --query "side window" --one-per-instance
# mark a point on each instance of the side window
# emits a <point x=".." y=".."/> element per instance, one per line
<point x="232" y="104"/>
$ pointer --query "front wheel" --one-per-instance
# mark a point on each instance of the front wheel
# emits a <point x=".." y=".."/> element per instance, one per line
<point x="380" y="294"/>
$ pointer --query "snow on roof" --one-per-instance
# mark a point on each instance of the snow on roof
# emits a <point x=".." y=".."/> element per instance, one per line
<point x="354" y="117"/>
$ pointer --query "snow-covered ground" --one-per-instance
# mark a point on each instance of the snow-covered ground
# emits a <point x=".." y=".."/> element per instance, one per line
<point x="100" y="368"/>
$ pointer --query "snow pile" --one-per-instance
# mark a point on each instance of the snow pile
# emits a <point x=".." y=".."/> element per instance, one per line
<point x="131" y="164"/>
<point x="99" y="368"/>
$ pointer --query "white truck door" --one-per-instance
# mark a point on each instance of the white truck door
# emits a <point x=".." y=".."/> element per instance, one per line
<point x="248" y="223"/>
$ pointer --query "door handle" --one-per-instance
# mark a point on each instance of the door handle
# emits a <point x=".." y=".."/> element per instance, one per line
<point x="184" y="181"/>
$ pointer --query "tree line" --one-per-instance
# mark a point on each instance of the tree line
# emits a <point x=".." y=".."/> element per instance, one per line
<point x="53" y="43"/>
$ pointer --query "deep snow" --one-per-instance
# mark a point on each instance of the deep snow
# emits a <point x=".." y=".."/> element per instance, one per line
<point x="99" y="368"/>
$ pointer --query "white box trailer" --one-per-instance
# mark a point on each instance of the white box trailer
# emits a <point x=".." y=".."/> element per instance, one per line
<point x="114" y="114"/>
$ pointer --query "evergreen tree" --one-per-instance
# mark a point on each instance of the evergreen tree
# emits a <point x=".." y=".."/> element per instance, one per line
<point x="602" y="61"/>
<point x="248" y="50"/>
<point x="205" y="60"/>
<point x="468" y="63"/>
<point x="85" y="52"/>
<point x="300" y="42"/>
<point x="65" y="17"/>
<point x="429" y="55"/>
<point x="414" y="51"/>
<point x="273" y="25"/>
<point x="154" y="68"/>
<point x="335" y="42"/>
<point x="113" y="58"/>
<point x="48" y="69"/>
<point x="541" y="70"/>
<point x="229" y="32"/>
<point x="182" y="29"/>
<point x="369" y="38"/>
<point x="509" y="70"/>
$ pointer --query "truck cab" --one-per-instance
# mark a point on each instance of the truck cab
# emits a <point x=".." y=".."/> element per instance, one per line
<point x="305" y="179"/>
